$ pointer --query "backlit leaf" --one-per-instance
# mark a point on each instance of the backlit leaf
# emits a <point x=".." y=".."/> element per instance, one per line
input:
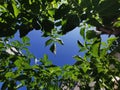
<point x="48" y="42"/>
<point x="53" y="48"/>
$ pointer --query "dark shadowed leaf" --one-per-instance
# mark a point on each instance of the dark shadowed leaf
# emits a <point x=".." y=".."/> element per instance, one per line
<point x="5" y="85"/>
<point x="70" y="22"/>
<point x="22" y="77"/>
<point x="61" y="11"/>
<point x="79" y="44"/>
<point x="90" y="34"/>
<point x="53" y="48"/>
<point x="94" y="22"/>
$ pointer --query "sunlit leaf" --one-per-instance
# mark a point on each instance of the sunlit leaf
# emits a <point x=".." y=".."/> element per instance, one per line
<point x="111" y="40"/>
<point x="9" y="75"/>
<point x="51" y="12"/>
<point x="117" y="24"/>
<point x="15" y="8"/>
<point x="95" y="49"/>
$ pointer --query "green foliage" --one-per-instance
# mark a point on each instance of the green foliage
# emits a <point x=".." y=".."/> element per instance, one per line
<point x="55" y="18"/>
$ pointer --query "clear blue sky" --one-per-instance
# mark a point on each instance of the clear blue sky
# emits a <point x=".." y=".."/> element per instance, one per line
<point x="64" y="52"/>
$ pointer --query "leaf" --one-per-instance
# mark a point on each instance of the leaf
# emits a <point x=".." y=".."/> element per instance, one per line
<point x="59" y="41"/>
<point x="117" y="24"/>
<point x="78" y="58"/>
<point x="5" y="85"/>
<point x="61" y="11"/>
<point x="90" y="34"/>
<point x="45" y="57"/>
<point x="45" y="61"/>
<point x="24" y="30"/>
<point x="25" y="39"/>
<point x="47" y="25"/>
<point x="95" y="49"/>
<point x="70" y="22"/>
<point x="82" y="32"/>
<point x="51" y="12"/>
<point x="111" y="40"/>
<point x="53" y="48"/>
<point x="80" y="44"/>
<point x="22" y="77"/>
<point x="9" y="75"/>
<point x="48" y="42"/>
<point x="15" y="8"/>
<point x="94" y="22"/>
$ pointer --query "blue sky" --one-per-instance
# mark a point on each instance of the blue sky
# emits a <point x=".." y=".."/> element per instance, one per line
<point x="64" y="52"/>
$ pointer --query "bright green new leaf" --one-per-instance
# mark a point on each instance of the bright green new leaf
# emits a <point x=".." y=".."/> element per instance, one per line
<point x="15" y="8"/>
<point x="9" y="75"/>
<point x="95" y="49"/>
<point x="117" y="24"/>
<point x="51" y="12"/>
<point x="111" y="40"/>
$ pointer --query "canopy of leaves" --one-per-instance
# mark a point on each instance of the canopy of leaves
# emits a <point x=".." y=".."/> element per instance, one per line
<point x="55" y="18"/>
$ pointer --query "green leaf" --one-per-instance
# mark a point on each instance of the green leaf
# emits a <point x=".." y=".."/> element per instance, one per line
<point x="15" y="8"/>
<point x="9" y="75"/>
<point x="78" y="58"/>
<point x="45" y="57"/>
<point x="45" y="60"/>
<point x="25" y="39"/>
<point x="53" y="48"/>
<point x="90" y="34"/>
<point x="59" y="41"/>
<point x="51" y="12"/>
<point x="48" y="42"/>
<point x="111" y="40"/>
<point x="85" y="67"/>
<point x="82" y="32"/>
<point x="95" y="49"/>
<point x="117" y="24"/>
<point x="80" y="44"/>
